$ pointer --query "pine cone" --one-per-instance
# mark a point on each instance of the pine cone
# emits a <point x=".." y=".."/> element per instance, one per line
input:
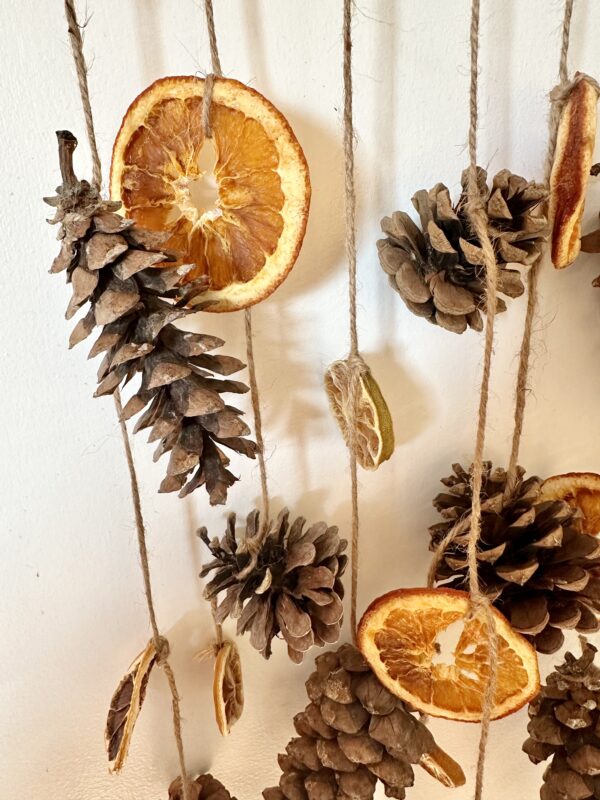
<point x="565" y="725"/>
<point x="534" y="562"/>
<point x="279" y="579"/>
<point x="438" y="270"/>
<point x="352" y="733"/>
<point x="110" y="264"/>
<point x="205" y="787"/>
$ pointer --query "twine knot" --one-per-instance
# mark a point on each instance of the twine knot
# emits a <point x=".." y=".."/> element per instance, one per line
<point x="163" y="649"/>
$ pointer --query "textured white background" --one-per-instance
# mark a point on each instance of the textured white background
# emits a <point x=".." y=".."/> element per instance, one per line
<point x="72" y="612"/>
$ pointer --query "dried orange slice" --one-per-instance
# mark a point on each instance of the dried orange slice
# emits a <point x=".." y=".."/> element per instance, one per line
<point x="248" y="240"/>
<point x="228" y="689"/>
<point x="581" y="490"/>
<point x="398" y="636"/>
<point x="375" y="433"/>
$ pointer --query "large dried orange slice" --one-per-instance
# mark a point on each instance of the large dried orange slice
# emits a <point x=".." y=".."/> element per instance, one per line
<point x="228" y="689"/>
<point x="374" y="429"/>
<point x="398" y="635"/>
<point x="580" y="490"/>
<point x="249" y="238"/>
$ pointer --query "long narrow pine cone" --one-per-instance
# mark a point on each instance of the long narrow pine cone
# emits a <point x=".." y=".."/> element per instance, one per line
<point x="279" y="579"/>
<point x="351" y="735"/>
<point x="565" y="727"/>
<point x="110" y="264"/>
<point x="438" y="269"/>
<point x="534" y="562"/>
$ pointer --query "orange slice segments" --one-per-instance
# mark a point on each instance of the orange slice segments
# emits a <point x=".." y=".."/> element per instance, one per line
<point x="247" y="240"/>
<point x="398" y="636"/>
<point x="580" y="490"/>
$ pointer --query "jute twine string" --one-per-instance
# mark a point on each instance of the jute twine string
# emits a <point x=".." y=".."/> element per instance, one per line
<point x="81" y="69"/>
<point x="558" y="98"/>
<point x="354" y="360"/>
<point x="479" y="221"/>
<point x="479" y="603"/>
<point x="254" y="390"/>
<point x="161" y="644"/>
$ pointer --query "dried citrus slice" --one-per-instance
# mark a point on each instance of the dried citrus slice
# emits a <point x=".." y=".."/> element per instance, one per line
<point x="375" y="434"/>
<point x="249" y="238"/>
<point x="398" y="636"/>
<point x="125" y="706"/>
<point x="443" y="767"/>
<point x="228" y="689"/>
<point x="581" y="490"/>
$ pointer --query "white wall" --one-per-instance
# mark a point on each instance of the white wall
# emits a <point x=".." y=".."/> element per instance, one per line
<point x="71" y="602"/>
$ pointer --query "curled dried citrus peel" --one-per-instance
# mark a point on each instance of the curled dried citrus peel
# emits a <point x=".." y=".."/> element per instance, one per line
<point x="443" y="768"/>
<point x="248" y="240"/>
<point x="228" y="689"/>
<point x="374" y="430"/>
<point x="582" y="491"/>
<point x="398" y="636"/>
<point x="125" y="706"/>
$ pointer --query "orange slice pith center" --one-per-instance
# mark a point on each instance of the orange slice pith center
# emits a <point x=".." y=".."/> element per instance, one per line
<point x="162" y="162"/>
<point x="458" y="686"/>
<point x="247" y="235"/>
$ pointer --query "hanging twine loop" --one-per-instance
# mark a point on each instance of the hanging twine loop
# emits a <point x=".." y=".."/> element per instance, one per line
<point x="354" y="361"/>
<point x="479" y="603"/>
<point x="209" y="83"/>
<point x="558" y="98"/>
<point x="161" y="644"/>
<point x="81" y="70"/>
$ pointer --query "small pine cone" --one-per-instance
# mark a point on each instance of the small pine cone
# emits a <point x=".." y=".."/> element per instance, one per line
<point x="205" y="787"/>
<point x="535" y="564"/>
<point x="565" y="726"/>
<point x="438" y="269"/>
<point x="279" y="578"/>
<point x="353" y="733"/>
<point x="110" y="264"/>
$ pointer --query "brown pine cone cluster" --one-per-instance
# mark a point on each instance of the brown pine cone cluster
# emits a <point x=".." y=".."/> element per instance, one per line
<point x="110" y="264"/>
<point x="279" y="579"/>
<point x="205" y="787"/>
<point x="438" y="269"/>
<point x="565" y="726"/>
<point x="352" y="734"/>
<point x="534" y="562"/>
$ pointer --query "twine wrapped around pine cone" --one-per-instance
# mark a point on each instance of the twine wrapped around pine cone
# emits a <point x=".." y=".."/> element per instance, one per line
<point x="438" y="269"/>
<point x="204" y="787"/>
<point x="534" y="562"/>
<point x="110" y="264"/>
<point x="279" y="579"/>
<point x="565" y="726"/>
<point x="352" y="734"/>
